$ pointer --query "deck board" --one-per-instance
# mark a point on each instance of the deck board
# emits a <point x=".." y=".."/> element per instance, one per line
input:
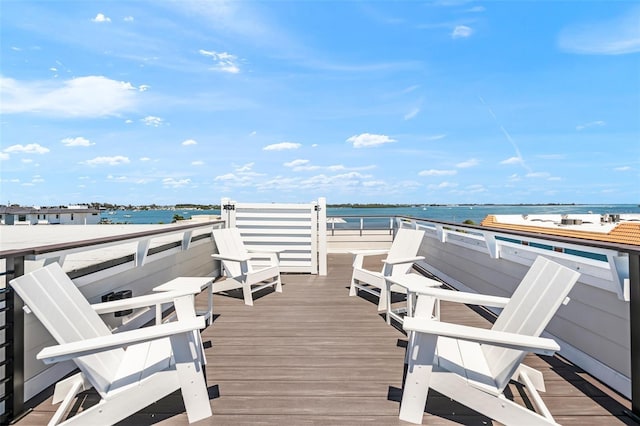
<point x="312" y="355"/>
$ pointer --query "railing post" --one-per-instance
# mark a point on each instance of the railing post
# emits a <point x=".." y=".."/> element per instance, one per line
<point x="14" y="349"/>
<point x="634" y="319"/>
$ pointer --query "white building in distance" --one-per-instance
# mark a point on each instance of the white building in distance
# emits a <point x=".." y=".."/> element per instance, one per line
<point x="69" y="215"/>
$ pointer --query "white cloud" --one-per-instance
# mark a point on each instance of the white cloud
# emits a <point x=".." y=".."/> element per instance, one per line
<point x="245" y="168"/>
<point x="4" y="156"/>
<point x="368" y="140"/>
<point x="129" y="19"/>
<point x="412" y="114"/>
<point x="175" y="183"/>
<point x="91" y="96"/>
<point x="622" y="169"/>
<point x="282" y="146"/>
<point x="117" y="178"/>
<point x="231" y="179"/>
<point x="109" y="161"/>
<point x="537" y="175"/>
<point x="32" y="148"/>
<point x="306" y="168"/>
<point x="512" y="160"/>
<point x="197" y="163"/>
<point x="461" y="31"/>
<point x="145" y="159"/>
<point x="374" y="183"/>
<point x="27" y="160"/>
<point x="100" y="17"/>
<point x="436" y="137"/>
<point x="598" y="123"/>
<point x="469" y="163"/>
<point x="225" y="177"/>
<point x="144" y="87"/>
<point x="616" y="36"/>
<point x="224" y="61"/>
<point x="476" y="188"/>
<point x="443" y="185"/>
<point x="296" y="163"/>
<point x="189" y="142"/>
<point x="77" y="141"/>
<point x="151" y="120"/>
<point x="434" y="172"/>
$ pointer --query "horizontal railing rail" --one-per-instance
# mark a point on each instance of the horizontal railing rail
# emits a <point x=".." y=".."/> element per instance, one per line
<point x="360" y="223"/>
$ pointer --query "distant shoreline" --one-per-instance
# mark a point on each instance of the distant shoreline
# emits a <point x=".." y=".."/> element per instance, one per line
<point x="373" y="205"/>
<point x="184" y="206"/>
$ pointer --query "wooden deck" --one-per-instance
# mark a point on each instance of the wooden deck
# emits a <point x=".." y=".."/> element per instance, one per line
<point x="315" y="356"/>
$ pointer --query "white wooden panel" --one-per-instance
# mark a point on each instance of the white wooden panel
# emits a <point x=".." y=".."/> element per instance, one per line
<point x="291" y="229"/>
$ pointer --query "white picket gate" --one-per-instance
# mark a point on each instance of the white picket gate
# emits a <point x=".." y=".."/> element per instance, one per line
<point x="298" y="230"/>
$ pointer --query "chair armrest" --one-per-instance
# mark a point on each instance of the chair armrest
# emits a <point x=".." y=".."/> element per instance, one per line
<point x="462" y="297"/>
<point x="72" y="350"/>
<point x="403" y="260"/>
<point x="539" y="345"/>
<point x="368" y="252"/>
<point x="142" y="301"/>
<point x="266" y="251"/>
<point x="232" y="258"/>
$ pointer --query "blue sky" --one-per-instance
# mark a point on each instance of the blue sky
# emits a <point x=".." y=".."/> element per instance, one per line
<point x="286" y="101"/>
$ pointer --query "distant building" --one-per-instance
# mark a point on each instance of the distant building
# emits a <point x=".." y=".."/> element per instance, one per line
<point x="618" y="228"/>
<point x="70" y="215"/>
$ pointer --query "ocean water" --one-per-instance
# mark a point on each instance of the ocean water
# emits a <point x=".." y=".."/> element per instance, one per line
<point x="455" y="214"/>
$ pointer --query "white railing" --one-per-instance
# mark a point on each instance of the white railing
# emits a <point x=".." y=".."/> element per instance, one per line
<point x="607" y="269"/>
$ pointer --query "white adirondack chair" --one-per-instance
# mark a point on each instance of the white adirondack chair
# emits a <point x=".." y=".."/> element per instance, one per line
<point x="472" y="365"/>
<point x="240" y="270"/>
<point x="400" y="258"/>
<point x="129" y="370"/>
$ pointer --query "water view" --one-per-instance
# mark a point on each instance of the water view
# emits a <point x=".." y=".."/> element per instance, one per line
<point x="451" y="213"/>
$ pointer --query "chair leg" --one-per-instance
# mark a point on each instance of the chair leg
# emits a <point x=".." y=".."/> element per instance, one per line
<point x="416" y="384"/>
<point x="70" y="387"/>
<point x="279" y="285"/>
<point x="192" y="383"/>
<point x="248" y="295"/>
<point x="382" y="301"/>
<point x="353" y="290"/>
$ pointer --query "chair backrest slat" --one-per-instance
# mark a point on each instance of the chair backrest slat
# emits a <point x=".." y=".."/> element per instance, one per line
<point x="532" y="305"/>
<point x="229" y="242"/>
<point x="405" y="244"/>
<point x="68" y="317"/>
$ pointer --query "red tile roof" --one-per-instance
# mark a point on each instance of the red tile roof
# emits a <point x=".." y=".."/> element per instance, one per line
<point x="624" y="233"/>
